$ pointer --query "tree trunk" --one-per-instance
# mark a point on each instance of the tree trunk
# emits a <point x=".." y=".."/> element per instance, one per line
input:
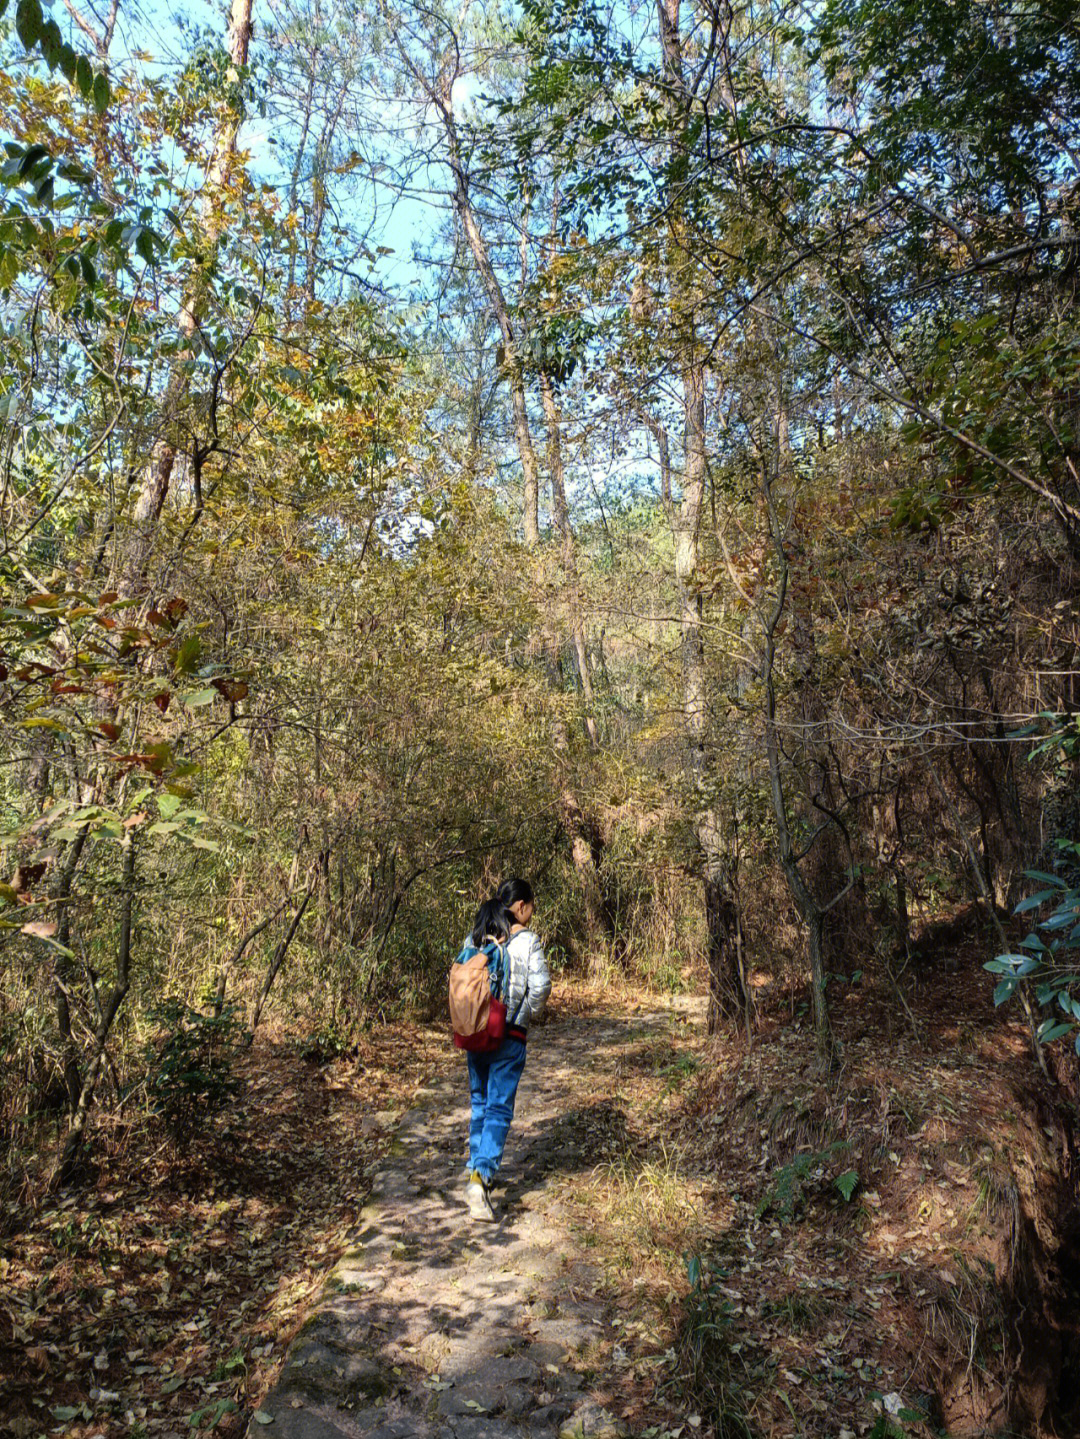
<point x="64" y="972"/>
<point x="729" y="999"/>
<point x="440" y="94"/>
<point x="810" y="911"/>
<point x="73" y="1143"/>
<point x="561" y="515"/>
<point x="279" y="956"/>
<point x="238" y="954"/>
<point x="586" y="851"/>
<point x="320" y="168"/>
<point x="294" y="181"/>
<point x="728" y="991"/>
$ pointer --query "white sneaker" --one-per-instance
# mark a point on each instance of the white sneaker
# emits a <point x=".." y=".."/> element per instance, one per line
<point x="476" y="1197"/>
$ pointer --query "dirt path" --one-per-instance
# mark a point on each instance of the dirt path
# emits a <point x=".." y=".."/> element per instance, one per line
<point x="432" y="1325"/>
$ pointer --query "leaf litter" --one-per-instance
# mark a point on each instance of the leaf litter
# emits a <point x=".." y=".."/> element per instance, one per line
<point x="159" y="1298"/>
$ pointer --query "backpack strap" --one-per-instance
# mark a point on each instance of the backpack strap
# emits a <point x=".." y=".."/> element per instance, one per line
<point x="502" y="971"/>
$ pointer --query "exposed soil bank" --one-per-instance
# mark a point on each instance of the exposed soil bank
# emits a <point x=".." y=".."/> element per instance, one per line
<point x="951" y="1277"/>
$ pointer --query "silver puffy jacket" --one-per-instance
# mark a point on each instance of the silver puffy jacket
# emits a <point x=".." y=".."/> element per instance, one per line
<point x="530" y="981"/>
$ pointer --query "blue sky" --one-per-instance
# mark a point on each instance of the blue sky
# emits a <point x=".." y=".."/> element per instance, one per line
<point x="165" y="32"/>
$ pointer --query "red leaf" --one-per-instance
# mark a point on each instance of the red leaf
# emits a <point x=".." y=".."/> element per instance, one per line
<point x="162" y="700"/>
<point x="231" y="689"/>
<point x="27" y="874"/>
<point x="109" y="730"/>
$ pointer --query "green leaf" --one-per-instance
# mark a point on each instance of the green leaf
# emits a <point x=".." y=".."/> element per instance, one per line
<point x="187" y="656"/>
<point x="847" y="1183"/>
<point x="1033" y="901"/>
<point x="160" y="755"/>
<point x="101" y="93"/>
<point x="30" y="157"/>
<point x="51" y="42"/>
<point x="84" y="77"/>
<point x="168" y="804"/>
<point x="1004" y="990"/>
<point x="68" y="62"/>
<point x="1011" y="964"/>
<point x="28" y="20"/>
<point x="1050" y="1031"/>
<point x="1041" y="874"/>
<point x="196" y="698"/>
<point x="144" y="244"/>
<point x="261" y="1417"/>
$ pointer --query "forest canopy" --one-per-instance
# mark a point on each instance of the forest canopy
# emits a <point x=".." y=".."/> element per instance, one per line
<point x="636" y="448"/>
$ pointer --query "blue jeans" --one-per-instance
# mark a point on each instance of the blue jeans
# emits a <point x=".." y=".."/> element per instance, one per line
<point x="493" y="1082"/>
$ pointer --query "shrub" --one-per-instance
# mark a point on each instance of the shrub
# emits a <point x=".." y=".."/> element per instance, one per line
<point x="190" y="1073"/>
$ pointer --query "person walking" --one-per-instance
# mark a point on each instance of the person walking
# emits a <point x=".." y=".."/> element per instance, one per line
<point x="494" y="1076"/>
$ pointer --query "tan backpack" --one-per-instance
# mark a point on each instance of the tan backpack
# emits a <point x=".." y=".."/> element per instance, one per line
<point x="477" y="1014"/>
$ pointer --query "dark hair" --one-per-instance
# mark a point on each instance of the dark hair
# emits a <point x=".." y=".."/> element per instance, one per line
<point x="492" y="918"/>
<point x="514" y="891"/>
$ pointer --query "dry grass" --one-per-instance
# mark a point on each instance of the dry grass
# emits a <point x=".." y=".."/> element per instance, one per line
<point x="652" y="1210"/>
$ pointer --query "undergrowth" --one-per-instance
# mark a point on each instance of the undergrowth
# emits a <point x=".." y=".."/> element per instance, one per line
<point x="705" y="1353"/>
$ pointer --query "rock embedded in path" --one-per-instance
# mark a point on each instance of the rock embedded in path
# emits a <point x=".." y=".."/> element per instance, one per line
<point x="289" y="1423"/>
<point x="592" y="1421"/>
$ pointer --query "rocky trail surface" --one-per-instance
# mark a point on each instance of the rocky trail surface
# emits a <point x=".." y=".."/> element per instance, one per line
<point x="432" y="1324"/>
